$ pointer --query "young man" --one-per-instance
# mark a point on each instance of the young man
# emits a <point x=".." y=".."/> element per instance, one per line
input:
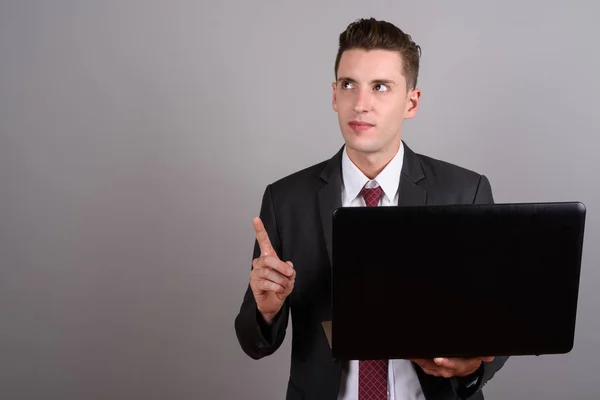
<point x="376" y="73"/>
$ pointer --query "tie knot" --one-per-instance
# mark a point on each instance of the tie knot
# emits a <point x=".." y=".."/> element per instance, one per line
<point x="371" y="195"/>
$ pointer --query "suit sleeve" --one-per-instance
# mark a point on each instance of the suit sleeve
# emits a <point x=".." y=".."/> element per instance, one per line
<point x="256" y="338"/>
<point x="483" y="195"/>
<point x="486" y="373"/>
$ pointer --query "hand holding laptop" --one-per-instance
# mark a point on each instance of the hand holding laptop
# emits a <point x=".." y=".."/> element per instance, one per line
<point x="451" y="367"/>
<point x="271" y="279"/>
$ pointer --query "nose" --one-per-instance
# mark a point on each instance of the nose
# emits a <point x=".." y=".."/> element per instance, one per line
<point x="363" y="102"/>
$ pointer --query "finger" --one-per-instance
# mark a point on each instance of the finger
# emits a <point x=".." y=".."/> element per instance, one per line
<point x="278" y="265"/>
<point x="453" y="363"/>
<point x="426" y="363"/>
<point x="444" y="362"/>
<point x="430" y="372"/>
<point x="457" y="362"/>
<point x="293" y="276"/>
<point x="263" y="238"/>
<point x="275" y="277"/>
<point x="446" y="373"/>
<point x="420" y="361"/>
<point x="258" y="263"/>
<point x="458" y="366"/>
<point x="275" y="263"/>
<point x="269" y="286"/>
<point x="442" y="371"/>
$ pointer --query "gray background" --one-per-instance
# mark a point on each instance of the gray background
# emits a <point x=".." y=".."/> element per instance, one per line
<point x="136" y="139"/>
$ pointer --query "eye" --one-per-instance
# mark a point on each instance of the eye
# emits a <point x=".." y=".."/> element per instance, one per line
<point x="380" y="87"/>
<point x="346" y="85"/>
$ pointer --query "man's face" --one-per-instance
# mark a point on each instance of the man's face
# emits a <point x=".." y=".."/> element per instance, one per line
<point x="371" y="99"/>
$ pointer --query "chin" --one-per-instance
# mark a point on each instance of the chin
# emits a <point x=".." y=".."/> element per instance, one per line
<point x="362" y="142"/>
<point x="363" y="146"/>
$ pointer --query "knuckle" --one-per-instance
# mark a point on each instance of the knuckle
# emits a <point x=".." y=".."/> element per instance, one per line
<point x="263" y="272"/>
<point x="258" y="262"/>
<point x="255" y="275"/>
<point x="267" y="261"/>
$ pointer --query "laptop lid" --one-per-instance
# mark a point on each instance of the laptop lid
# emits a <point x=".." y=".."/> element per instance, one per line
<point x="455" y="281"/>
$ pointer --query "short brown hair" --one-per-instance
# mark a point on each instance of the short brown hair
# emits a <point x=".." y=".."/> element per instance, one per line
<point x="371" y="34"/>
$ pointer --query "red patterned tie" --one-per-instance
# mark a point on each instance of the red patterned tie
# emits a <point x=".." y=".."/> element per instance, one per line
<point x="372" y="374"/>
<point x="371" y="196"/>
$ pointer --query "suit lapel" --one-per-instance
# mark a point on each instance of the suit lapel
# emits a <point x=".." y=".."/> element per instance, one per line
<point x="411" y="191"/>
<point x="330" y="198"/>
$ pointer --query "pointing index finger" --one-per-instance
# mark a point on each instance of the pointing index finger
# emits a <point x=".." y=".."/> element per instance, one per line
<point x="266" y="249"/>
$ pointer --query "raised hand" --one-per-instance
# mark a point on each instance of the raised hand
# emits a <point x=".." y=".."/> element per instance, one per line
<point x="271" y="279"/>
<point x="450" y="367"/>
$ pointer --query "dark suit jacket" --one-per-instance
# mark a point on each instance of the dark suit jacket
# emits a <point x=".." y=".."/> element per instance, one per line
<point x="297" y="214"/>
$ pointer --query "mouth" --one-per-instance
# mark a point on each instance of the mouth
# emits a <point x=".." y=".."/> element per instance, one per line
<point x="360" y="126"/>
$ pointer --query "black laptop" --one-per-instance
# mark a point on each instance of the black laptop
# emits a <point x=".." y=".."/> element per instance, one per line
<point x="455" y="281"/>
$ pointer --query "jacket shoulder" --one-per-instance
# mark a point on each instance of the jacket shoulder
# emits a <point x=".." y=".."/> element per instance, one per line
<point x="453" y="184"/>
<point x="300" y="180"/>
<point x="440" y="171"/>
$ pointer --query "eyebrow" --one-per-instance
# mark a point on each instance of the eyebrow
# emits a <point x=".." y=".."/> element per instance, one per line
<point x="373" y="82"/>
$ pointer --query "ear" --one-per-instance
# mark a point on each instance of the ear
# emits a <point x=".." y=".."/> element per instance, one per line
<point x="412" y="103"/>
<point x="334" y="101"/>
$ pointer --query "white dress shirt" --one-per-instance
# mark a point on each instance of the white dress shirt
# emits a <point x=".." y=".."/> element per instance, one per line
<point x="403" y="383"/>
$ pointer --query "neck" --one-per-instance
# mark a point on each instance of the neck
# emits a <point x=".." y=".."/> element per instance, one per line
<point x="371" y="164"/>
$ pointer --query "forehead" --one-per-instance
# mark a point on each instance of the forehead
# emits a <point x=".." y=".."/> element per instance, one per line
<point x="366" y="65"/>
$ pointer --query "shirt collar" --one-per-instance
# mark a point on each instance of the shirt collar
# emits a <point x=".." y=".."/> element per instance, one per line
<point x="389" y="178"/>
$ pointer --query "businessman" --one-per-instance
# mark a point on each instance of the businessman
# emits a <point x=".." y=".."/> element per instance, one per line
<point x="375" y="90"/>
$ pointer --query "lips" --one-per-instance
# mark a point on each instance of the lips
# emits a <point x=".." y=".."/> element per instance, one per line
<point x="360" y="126"/>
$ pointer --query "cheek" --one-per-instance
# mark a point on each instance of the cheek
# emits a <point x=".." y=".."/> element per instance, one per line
<point x="392" y="112"/>
<point x="390" y="119"/>
<point x="344" y="100"/>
